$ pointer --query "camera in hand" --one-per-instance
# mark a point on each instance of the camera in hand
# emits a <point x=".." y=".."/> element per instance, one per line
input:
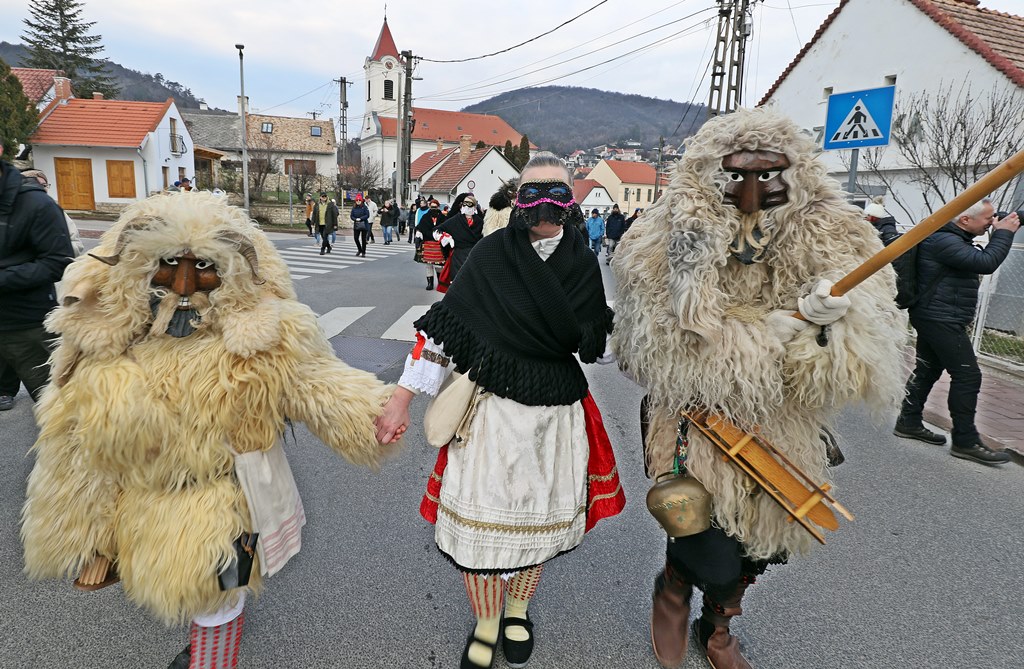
<point x="1000" y="215"/>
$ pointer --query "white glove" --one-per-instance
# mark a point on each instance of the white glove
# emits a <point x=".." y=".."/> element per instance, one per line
<point x="784" y="325"/>
<point x="418" y="236"/>
<point x="821" y="308"/>
<point x="447" y="240"/>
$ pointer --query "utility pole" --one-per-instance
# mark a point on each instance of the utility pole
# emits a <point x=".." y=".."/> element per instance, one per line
<point x="657" y="171"/>
<point x="734" y="28"/>
<point x="405" y="149"/>
<point x="314" y="114"/>
<point x="343" y="122"/>
<point x="243" y="112"/>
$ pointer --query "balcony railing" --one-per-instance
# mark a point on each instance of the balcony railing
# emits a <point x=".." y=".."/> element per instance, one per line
<point x="178" y="145"/>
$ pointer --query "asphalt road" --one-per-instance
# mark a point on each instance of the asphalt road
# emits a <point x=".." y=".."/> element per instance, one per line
<point x="929" y="574"/>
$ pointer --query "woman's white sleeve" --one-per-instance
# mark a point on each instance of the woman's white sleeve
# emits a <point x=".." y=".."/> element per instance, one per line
<point x="426" y="367"/>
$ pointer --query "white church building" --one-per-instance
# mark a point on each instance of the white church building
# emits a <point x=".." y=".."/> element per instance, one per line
<point x="378" y="133"/>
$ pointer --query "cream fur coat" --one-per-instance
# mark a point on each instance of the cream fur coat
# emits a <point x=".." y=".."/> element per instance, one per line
<point x="134" y="457"/>
<point x="690" y="319"/>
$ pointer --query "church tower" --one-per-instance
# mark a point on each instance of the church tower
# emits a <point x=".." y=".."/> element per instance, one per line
<point x="384" y="77"/>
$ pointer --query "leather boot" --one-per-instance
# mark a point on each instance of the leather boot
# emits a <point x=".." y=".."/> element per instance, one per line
<point x="712" y="629"/>
<point x="669" y="615"/>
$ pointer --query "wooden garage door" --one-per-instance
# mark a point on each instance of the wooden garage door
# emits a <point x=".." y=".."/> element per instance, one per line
<point x="121" y="178"/>
<point x="74" y="183"/>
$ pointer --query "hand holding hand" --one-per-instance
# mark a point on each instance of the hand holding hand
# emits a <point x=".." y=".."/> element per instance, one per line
<point x="394" y="421"/>
<point x="784" y="325"/>
<point x="820" y="307"/>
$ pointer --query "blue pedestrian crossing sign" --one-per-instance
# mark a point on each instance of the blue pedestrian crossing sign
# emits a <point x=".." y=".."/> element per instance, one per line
<point x="859" y="118"/>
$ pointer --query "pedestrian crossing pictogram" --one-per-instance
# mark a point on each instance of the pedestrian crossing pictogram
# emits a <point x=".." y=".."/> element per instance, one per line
<point x="858" y="125"/>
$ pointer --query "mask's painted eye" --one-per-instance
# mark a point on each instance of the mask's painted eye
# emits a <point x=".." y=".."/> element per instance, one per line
<point x="559" y="191"/>
<point x="735" y="176"/>
<point x="204" y="264"/>
<point x="169" y="261"/>
<point x="769" y="175"/>
<point x="530" y="191"/>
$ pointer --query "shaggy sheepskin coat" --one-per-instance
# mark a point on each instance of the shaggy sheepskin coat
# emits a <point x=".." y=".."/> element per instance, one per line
<point x="134" y="459"/>
<point x="690" y="319"/>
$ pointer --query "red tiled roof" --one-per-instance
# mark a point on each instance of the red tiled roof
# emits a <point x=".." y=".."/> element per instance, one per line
<point x="995" y="36"/>
<point x="424" y="163"/>
<point x="632" y="173"/>
<point x="452" y="172"/>
<point x="88" y="122"/>
<point x="581" y="188"/>
<point x="35" y="82"/>
<point x="449" y="126"/>
<point x="385" y="45"/>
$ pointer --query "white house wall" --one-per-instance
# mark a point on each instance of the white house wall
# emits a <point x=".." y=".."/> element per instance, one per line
<point x="597" y="197"/>
<point x="868" y="41"/>
<point x="43" y="155"/>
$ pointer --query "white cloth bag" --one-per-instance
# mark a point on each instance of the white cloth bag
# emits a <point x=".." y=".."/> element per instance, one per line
<point x="274" y="504"/>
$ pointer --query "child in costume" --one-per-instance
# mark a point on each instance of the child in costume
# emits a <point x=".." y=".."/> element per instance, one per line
<point x="750" y="230"/>
<point x="183" y="354"/>
<point x="535" y="470"/>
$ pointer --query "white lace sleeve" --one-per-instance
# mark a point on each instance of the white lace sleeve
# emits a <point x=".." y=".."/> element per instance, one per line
<point x="426" y="367"/>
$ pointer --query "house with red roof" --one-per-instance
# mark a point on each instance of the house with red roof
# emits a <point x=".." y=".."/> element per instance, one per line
<point x="446" y="172"/>
<point x="379" y="130"/>
<point x="630" y="184"/>
<point x="932" y="47"/>
<point x="42" y="86"/>
<point x="105" y="154"/>
<point x="592" y="195"/>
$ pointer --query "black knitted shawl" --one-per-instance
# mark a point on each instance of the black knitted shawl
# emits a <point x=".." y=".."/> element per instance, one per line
<point x="514" y="321"/>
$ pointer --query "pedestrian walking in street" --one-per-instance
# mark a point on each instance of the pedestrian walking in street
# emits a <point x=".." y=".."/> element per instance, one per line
<point x="388" y="218"/>
<point x="372" y="206"/>
<point x="428" y="249"/>
<point x="360" y="216"/>
<point x="325" y="213"/>
<point x="159" y="461"/>
<point x="533" y="470"/>
<point x="464" y="230"/>
<point x="308" y="201"/>
<point x="615" y="226"/>
<point x="35" y="247"/>
<point x="595" y="231"/>
<point x="632" y="219"/>
<point x="949" y="269"/>
<point x="416" y="210"/>
<point x="707" y="290"/>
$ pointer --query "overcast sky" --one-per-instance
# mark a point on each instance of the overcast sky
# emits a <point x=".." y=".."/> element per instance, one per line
<point x="294" y="49"/>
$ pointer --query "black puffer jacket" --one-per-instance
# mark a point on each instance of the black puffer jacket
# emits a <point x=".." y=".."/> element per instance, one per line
<point x="34" y="250"/>
<point x="951" y="250"/>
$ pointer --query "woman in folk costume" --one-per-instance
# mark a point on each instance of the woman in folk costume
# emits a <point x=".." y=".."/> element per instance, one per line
<point x="428" y="249"/>
<point x="182" y="355"/>
<point x="535" y="470"/>
<point x="756" y="230"/>
<point x="460" y="232"/>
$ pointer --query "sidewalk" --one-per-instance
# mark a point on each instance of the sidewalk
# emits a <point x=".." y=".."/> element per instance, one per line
<point x="1000" y="417"/>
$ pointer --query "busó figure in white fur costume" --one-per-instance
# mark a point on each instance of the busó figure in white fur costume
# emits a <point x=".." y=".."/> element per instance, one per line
<point x="750" y="230"/>
<point x="183" y="353"/>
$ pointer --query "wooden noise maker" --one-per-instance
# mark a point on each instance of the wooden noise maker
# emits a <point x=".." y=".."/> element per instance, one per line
<point x="804" y="499"/>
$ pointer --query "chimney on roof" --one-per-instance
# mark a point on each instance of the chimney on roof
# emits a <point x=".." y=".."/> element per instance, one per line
<point x="464" y="147"/>
<point x="96" y="95"/>
<point x="440" y="145"/>
<point x="243" y="109"/>
<point x="61" y="88"/>
<point x="203" y="106"/>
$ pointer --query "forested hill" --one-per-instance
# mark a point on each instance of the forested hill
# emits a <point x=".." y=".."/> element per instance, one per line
<point x="563" y="118"/>
<point x="134" y="85"/>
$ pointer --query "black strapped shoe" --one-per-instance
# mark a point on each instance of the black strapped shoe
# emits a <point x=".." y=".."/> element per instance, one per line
<point x="466" y="663"/>
<point x="517" y="653"/>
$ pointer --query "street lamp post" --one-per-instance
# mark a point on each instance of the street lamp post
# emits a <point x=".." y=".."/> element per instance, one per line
<point x="245" y="135"/>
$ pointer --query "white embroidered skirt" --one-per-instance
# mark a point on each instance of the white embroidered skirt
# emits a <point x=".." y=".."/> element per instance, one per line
<point x="515" y="494"/>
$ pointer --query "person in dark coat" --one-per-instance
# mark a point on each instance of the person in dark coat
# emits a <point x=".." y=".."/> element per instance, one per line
<point x="614" y="228"/>
<point x="35" y="247"/>
<point x="325" y="217"/>
<point x="429" y="220"/>
<point x="360" y="215"/>
<point x="388" y="220"/>
<point x="465" y="227"/>
<point x="948" y="269"/>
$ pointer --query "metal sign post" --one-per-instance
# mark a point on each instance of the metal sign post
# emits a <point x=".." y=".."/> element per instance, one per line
<point x="858" y="119"/>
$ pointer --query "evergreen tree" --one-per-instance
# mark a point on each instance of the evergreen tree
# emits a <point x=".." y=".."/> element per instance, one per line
<point x="510" y="152"/>
<point x="17" y="115"/>
<point x="58" y="39"/>
<point x="480" y="144"/>
<point x="524" y="152"/>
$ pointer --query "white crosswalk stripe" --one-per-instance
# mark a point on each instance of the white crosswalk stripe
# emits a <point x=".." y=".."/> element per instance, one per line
<point x="306" y="261"/>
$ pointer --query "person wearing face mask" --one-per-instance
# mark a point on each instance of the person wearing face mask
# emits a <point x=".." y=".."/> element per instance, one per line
<point x="535" y="471"/>
<point x="464" y="230"/>
<point x="428" y="249"/>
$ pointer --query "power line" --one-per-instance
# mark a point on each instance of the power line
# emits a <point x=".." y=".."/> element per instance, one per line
<point x="466" y="89"/>
<point x="490" y="80"/>
<point x="516" y="46"/>
<point x="651" y="45"/>
<point x="298" y="97"/>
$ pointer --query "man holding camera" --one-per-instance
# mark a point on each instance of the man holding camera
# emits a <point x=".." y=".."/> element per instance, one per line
<point x="949" y="269"/>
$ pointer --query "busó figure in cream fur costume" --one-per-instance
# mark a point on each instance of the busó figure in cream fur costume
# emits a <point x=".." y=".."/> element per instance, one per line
<point x="750" y="230"/>
<point x="183" y="353"/>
